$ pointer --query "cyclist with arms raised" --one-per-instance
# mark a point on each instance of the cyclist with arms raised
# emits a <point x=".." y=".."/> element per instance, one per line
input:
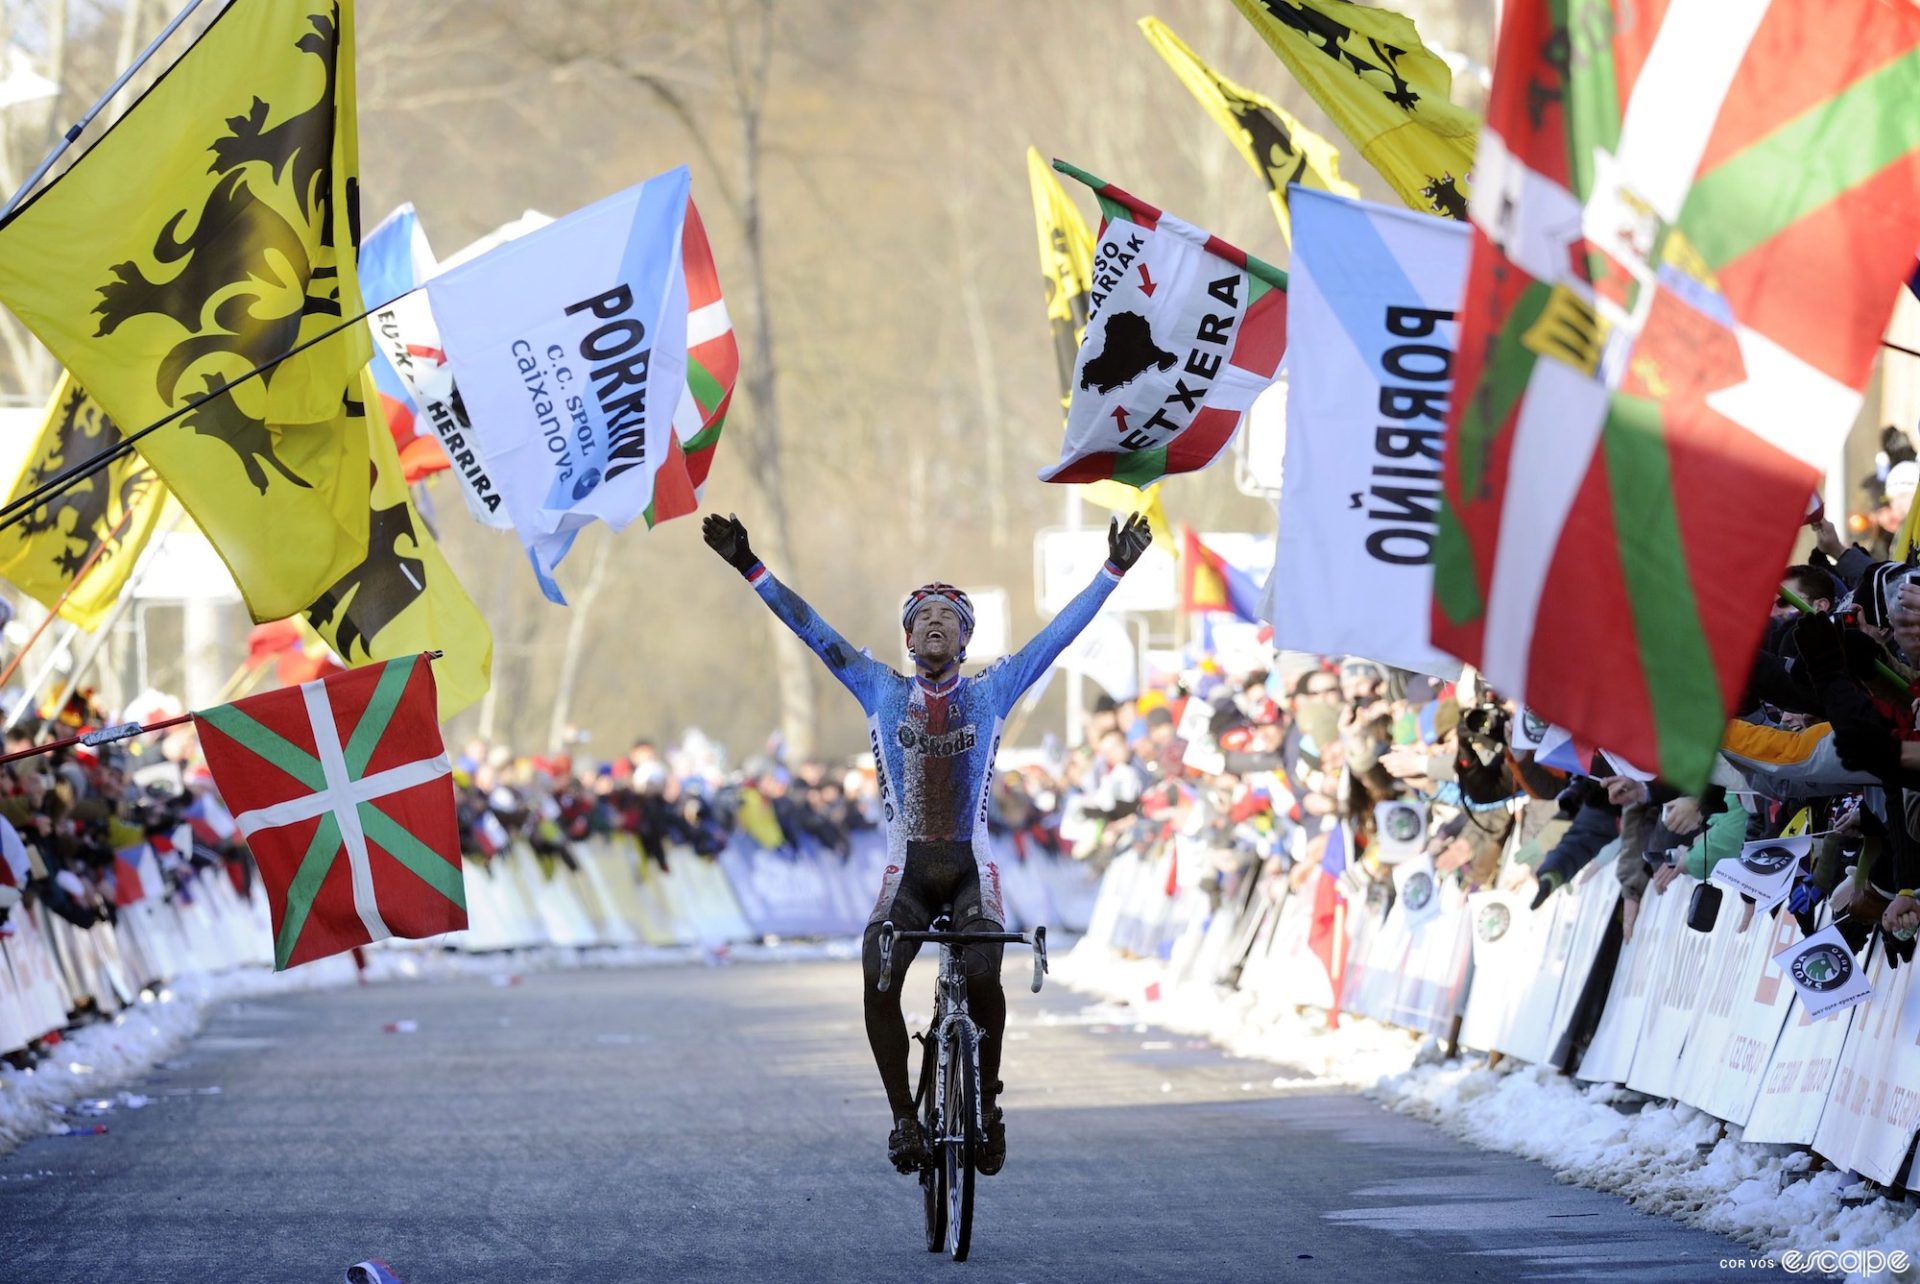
<point x="934" y="738"/>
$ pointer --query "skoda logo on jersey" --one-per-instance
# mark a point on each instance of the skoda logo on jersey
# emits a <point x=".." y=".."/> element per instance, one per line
<point x="1493" y="922"/>
<point x="584" y="487"/>
<point x="1418" y="891"/>
<point x="1824" y="967"/>
<point x="945" y="745"/>
<point x="1769" y="860"/>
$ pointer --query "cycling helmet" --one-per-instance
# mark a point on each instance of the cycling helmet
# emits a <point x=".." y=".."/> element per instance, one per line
<point x="957" y="597"/>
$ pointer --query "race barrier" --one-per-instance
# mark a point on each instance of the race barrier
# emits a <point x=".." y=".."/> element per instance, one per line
<point x="606" y="893"/>
<point x="1701" y="1017"/>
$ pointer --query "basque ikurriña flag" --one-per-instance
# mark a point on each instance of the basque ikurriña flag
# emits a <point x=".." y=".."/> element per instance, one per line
<point x="1691" y="222"/>
<point x="569" y="346"/>
<point x="1184" y="332"/>
<point x="713" y="363"/>
<point x="343" y="791"/>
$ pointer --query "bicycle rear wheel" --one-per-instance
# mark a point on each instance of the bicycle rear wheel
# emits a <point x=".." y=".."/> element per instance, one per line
<point x="961" y="1108"/>
<point x="933" y="1189"/>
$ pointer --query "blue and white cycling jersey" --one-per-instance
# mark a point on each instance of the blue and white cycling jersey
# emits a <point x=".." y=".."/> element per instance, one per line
<point x="934" y="745"/>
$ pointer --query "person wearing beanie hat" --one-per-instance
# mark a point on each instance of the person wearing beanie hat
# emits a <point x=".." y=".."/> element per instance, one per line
<point x="934" y="736"/>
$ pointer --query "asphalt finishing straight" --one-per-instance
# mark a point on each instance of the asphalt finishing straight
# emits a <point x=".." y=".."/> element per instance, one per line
<point x="725" y="1123"/>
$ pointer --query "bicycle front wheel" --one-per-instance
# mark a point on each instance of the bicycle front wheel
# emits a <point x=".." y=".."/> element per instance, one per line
<point x="962" y="1134"/>
<point x="933" y="1173"/>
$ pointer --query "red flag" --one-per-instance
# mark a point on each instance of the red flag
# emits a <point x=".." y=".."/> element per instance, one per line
<point x="343" y="790"/>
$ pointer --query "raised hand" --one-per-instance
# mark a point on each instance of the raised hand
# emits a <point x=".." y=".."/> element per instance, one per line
<point x="1126" y="543"/>
<point x="727" y="537"/>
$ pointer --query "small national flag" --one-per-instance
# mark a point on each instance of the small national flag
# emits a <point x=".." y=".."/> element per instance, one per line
<point x="1327" y="936"/>
<point x="1208" y="582"/>
<point x="344" y="793"/>
<point x="1686" y="248"/>
<point x="208" y="232"/>
<point x="1386" y="91"/>
<point x="1281" y="150"/>
<point x="1185" y="331"/>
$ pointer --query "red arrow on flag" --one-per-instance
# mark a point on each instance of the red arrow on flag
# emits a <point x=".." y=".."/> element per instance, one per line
<point x="1120" y="417"/>
<point x="1147" y="287"/>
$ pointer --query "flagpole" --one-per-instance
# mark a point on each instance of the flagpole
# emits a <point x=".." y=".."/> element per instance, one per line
<point x="15" y="510"/>
<point x="104" y="736"/>
<point x="67" y="139"/>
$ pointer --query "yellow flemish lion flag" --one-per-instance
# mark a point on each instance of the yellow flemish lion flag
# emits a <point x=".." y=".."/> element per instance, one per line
<point x="1066" y="265"/>
<point x="1280" y="149"/>
<point x="208" y="231"/>
<point x="111" y="513"/>
<point x="403" y="598"/>
<point x="1368" y="71"/>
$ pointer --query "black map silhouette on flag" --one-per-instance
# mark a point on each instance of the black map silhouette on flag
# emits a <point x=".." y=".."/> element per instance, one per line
<point x="1129" y="353"/>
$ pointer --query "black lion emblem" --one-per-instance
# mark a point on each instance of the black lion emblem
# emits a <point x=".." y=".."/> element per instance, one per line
<point x="1129" y="353"/>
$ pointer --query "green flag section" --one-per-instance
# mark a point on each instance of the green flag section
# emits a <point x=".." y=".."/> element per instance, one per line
<point x="1367" y="69"/>
<point x="1689" y="233"/>
<point x="1183" y="332"/>
<point x="344" y="793"/>
<point x="1281" y="150"/>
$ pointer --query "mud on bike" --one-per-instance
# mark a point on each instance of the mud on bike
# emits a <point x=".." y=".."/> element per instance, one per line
<point x="947" y="1099"/>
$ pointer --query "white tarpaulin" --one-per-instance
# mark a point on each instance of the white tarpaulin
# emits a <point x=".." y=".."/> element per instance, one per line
<point x="1373" y="297"/>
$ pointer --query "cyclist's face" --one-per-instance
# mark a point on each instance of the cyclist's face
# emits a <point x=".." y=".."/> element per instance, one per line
<point x="935" y="638"/>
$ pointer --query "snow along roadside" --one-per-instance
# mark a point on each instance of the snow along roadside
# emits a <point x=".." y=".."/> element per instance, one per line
<point x="76" y="1082"/>
<point x="1665" y="1159"/>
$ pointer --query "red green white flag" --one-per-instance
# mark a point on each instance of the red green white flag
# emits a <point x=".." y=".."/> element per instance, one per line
<point x="343" y="791"/>
<point x="713" y="363"/>
<point x="1184" y="331"/>
<point x="1691" y="219"/>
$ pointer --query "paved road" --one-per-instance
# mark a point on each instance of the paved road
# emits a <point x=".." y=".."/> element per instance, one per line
<point x="697" y="1124"/>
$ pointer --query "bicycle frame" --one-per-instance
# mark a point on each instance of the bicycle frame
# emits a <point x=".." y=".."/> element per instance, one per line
<point x="950" y="993"/>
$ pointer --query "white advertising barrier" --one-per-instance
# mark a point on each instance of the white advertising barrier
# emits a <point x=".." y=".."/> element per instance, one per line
<point x="1680" y="984"/>
<point x="1874" y="1109"/>
<point x="783" y="892"/>
<point x="1610" y="1055"/>
<point x="1732" y="1037"/>
<point x="1578" y="932"/>
<point x="1373" y="963"/>
<point x="1103" y="924"/>
<point x="1411" y="976"/>
<point x="1433" y="976"/>
<point x="1799" y="1076"/>
<point x="1509" y="943"/>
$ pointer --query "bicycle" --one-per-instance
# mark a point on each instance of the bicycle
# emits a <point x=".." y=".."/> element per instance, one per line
<point x="948" y="1096"/>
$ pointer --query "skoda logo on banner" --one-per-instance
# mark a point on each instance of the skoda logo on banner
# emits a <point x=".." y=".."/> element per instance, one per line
<point x="1824" y="967"/>
<point x="1403" y="823"/>
<point x="1768" y="861"/>
<point x="1493" y="922"/>
<point x="1418" y="890"/>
